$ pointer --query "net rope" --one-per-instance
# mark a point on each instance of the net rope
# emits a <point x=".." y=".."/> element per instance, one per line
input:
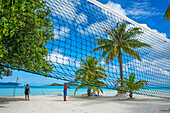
<point x="76" y="23"/>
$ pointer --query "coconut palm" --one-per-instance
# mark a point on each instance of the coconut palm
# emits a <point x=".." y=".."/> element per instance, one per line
<point x="121" y="41"/>
<point x="167" y="14"/>
<point x="131" y="85"/>
<point x="90" y="73"/>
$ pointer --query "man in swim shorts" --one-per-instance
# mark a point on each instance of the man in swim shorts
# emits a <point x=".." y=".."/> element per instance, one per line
<point x="65" y="91"/>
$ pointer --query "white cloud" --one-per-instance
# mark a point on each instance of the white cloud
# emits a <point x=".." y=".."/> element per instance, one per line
<point x="156" y="67"/>
<point x="97" y="28"/>
<point x="116" y="7"/>
<point x="165" y="72"/>
<point x="58" y="59"/>
<point x="64" y="8"/>
<point x="81" y="18"/>
<point x="61" y="33"/>
<point x="112" y="68"/>
<point x="102" y="62"/>
<point x="154" y="30"/>
<point x="142" y="10"/>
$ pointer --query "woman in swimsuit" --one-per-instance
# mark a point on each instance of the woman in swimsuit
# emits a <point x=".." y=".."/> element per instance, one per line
<point x="27" y="90"/>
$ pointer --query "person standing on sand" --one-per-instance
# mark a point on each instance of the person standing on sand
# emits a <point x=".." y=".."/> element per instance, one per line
<point x="27" y="91"/>
<point x="116" y="85"/>
<point x="65" y="91"/>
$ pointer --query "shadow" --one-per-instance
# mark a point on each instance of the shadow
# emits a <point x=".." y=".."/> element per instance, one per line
<point x="55" y="95"/>
<point x="130" y="101"/>
<point x="59" y="100"/>
<point x="2" y="107"/>
<point x="91" y="97"/>
<point x="6" y="100"/>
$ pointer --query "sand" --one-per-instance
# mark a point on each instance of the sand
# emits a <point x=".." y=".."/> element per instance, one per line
<point x="79" y="104"/>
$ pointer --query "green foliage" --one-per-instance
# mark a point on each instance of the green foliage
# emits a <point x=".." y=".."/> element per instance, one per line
<point x="130" y="83"/>
<point x="121" y="40"/>
<point x="167" y="14"/>
<point x="24" y="30"/>
<point x="90" y="73"/>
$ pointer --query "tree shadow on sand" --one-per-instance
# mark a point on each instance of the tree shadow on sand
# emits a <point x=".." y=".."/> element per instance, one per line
<point x="6" y="100"/>
<point x="122" y="100"/>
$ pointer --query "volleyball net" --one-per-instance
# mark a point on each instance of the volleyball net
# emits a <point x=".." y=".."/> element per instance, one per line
<point x="73" y="26"/>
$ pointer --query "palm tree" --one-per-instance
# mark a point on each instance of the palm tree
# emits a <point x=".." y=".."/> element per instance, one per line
<point x="90" y="74"/>
<point x="121" y="40"/>
<point x="167" y="14"/>
<point x="131" y="85"/>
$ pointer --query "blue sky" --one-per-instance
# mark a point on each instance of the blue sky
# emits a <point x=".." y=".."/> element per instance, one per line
<point x="71" y="21"/>
<point x="149" y="12"/>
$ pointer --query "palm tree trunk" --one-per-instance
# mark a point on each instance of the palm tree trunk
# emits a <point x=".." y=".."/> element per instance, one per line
<point x="121" y="66"/>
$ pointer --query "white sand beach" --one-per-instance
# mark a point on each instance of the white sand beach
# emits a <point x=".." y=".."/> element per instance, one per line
<point x="79" y="104"/>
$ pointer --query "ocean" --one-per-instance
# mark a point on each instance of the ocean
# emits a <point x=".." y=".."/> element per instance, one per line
<point x="8" y="90"/>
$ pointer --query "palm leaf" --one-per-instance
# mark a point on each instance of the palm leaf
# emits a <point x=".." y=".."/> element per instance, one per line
<point x="100" y="89"/>
<point x="79" y="71"/>
<point x="131" y="33"/>
<point x="167" y="14"/>
<point x="102" y="41"/>
<point x="83" y="61"/>
<point x="78" y="87"/>
<point x="134" y="43"/>
<point x="112" y="34"/>
<point x="131" y="52"/>
<point x="101" y="48"/>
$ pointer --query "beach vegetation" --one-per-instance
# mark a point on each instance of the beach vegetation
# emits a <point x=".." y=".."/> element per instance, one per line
<point x="131" y="85"/>
<point x="121" y="41"/>
<point x="167" y="14"/>
<point x="90" y="74"/>
<point x="24" y="31"/>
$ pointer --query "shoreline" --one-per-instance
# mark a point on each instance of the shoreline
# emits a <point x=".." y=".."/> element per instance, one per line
<point x="83" y="104"/>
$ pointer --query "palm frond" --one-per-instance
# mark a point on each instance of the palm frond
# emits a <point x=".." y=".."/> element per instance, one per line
<point x="132" y="77"/>
<point x="83" y="61"/>
<point x="131" y="33"/>
<point x="85" y="67"/>
<point x="131" y="52"/>
<point x="102" y="41"/>
<point x="141" y="81"/>
<point x="101" y="48"/>
<point x="113" y="34"/>
<point x="134" y="43"/>
<point x="79" y="71"/>
<point x="120" y="80"/>
<point x="78" y="87"/>
<point x="100" y="89"/>
<point x="167" y="14"/>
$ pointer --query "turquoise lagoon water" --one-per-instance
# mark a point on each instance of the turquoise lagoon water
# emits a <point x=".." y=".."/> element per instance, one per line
<point x="8" y="90"/>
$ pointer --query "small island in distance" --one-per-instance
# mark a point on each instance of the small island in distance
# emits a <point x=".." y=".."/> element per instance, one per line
<point x="57" y="84"/>
<point x="10" y="83"/>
